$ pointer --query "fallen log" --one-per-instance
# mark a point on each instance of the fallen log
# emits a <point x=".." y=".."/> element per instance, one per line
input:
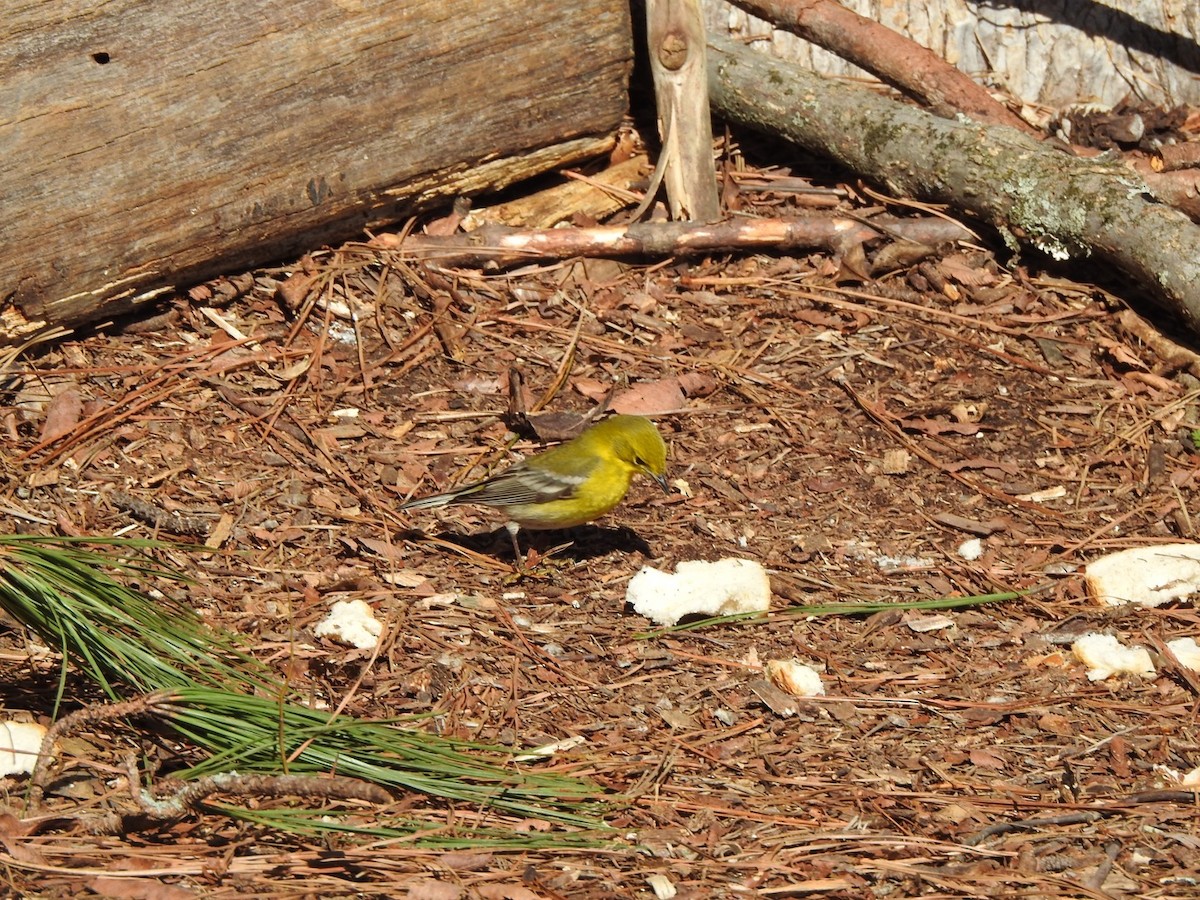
<point x="150" y="145"/>
<point x="1035" y="196"/>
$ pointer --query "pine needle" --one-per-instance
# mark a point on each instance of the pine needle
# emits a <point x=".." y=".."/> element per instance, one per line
<point x="234" y="708"/>
<point x="61" y="590"/>
<point x="841" y="609"/>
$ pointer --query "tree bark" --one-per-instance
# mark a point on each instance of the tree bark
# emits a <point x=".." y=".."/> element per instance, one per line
<point x="1064" y="206"/>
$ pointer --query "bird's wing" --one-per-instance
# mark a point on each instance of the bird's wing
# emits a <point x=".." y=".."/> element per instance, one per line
<point x="530" y="484"/>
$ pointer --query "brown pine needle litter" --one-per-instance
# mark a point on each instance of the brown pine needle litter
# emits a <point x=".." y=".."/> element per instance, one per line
<point x="818" y="420"/>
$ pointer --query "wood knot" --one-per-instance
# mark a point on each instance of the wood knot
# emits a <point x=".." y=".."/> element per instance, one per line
<point x="673" y="50"/>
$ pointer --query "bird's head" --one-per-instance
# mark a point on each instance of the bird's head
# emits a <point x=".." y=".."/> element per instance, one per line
<point x="637" y="442"/>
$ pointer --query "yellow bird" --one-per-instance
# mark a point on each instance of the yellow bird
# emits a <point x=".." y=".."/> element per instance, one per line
<point x="570" y="484"/>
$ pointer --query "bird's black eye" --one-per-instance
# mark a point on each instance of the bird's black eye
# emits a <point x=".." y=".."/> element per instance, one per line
<point x="639" y="462"/>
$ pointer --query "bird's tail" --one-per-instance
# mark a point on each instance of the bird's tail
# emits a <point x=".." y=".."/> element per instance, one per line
<point x="432" y="502"/>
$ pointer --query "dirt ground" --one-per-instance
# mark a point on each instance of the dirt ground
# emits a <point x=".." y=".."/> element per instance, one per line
<point x="848" y="433"/>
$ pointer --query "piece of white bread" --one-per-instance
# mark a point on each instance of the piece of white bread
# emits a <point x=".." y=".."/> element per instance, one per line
<point x="1149" y="576"/>
<point x="719" y="588"/>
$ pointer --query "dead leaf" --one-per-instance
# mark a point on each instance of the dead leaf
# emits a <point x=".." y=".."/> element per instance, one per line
<point x="62" y="415"/>
<point x="138" y="889"/>
<point x="987" y="759"/>
<point x="466" y="860"/>
<point x="404" y="578"/>
<point x="962" y="271"/>
<point x="650" y="398"/>
<point x="505" y="892"/>
<point x="1056" y="724"/>
<point x="295" y="370"/>
<point x="430" y="889"/>
<point x="698" y="384"/>
<point x="1120" y="353"/>
<point x="854" y="265"/>
<point x="12" y="830"/>
<point x="591" y="388"/>
<point x="295" y="290"/>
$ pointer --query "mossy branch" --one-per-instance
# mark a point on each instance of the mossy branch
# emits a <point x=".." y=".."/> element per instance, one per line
<point x="1034" y="194"/>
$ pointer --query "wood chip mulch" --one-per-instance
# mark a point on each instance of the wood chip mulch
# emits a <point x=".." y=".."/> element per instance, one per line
<point x="850" y="433"/>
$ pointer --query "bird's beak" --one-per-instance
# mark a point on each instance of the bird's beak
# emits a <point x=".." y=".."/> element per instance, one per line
<point x="662" y="483"/>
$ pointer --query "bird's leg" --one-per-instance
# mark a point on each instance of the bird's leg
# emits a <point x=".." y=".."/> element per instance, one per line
<point x="512" y="528"/>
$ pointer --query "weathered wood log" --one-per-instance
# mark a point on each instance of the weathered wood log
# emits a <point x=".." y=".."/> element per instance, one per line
<point x="675" y="37"/>
<point x="150" y="145"/>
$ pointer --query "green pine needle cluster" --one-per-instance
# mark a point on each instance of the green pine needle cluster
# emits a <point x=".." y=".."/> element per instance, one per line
<point x="71" y="593"/>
